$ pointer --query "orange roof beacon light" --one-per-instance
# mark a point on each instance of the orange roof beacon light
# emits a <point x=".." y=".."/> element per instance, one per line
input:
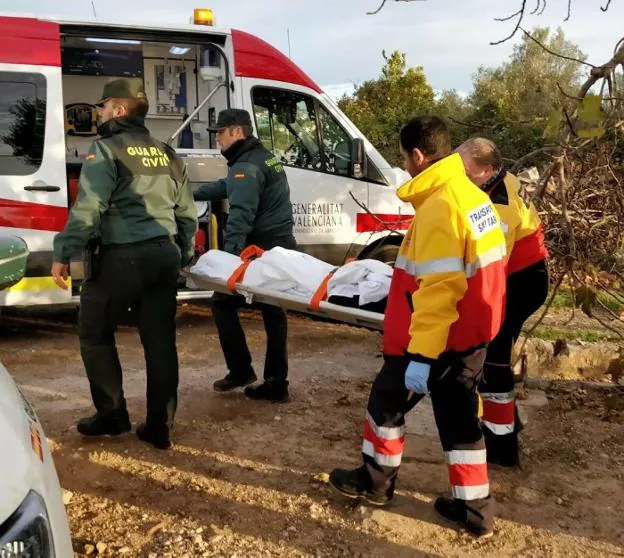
<point x="203" y="16"/>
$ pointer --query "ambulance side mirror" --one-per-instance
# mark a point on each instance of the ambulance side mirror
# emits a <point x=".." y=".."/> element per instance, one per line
<point x="358" y="159"/>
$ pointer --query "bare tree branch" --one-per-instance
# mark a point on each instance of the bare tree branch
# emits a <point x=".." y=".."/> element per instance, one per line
<point x="501" y="19"/>
<point x="520" y="15"/>
<point x="538" y="10"/>
<point x="543" y="183"/>
<point x="564" y="203"/>
<point x="574" y="98"/>
<point x="601" y="72"/>
<point x="553" y="52"/>
<point x="569" y="122"/>
<point x="519" y="162"/>
<point x="383" y="3"/>
<point x="608" y="310"/>
<point x="540" y="6"/>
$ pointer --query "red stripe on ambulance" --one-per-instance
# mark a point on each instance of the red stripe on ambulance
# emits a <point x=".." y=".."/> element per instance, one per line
<point x="29" y="41"/>
<point x="253" y="58"/>
<point x="376" y="222"/>
<point x="34" y="216"/>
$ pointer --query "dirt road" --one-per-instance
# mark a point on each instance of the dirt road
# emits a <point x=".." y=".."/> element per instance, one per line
<point x="243" y="478"/>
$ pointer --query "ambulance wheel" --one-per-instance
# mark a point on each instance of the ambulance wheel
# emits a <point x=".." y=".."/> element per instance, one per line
<point x="387" y="254"/>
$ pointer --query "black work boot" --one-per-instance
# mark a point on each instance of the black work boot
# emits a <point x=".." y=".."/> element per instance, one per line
<point x="157" y="436"/>
<point x="109" y="424"/>
<point x="502" y="450"/>
<point x="232" y="381"/>
<point x="356" y="484"/>
<point x="458" y="512"/>
<point x="277" y="392"/>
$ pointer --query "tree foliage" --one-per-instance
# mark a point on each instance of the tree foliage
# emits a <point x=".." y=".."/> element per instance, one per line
<point x="26" y="132"/>
<point x="546" y="106"/>
<point x="514" y="101"/>
<point x="380" y="107"/>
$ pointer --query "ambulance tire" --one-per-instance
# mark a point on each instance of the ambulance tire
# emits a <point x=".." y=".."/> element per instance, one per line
<point x="386" y="253"/>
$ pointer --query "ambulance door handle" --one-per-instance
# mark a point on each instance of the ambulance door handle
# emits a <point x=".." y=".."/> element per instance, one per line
<point x="42" y="188"/>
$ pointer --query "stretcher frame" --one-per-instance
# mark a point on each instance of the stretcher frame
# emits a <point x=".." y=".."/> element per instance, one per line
<point x="335" y="312"/>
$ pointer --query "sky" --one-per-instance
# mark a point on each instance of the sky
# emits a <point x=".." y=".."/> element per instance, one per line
<point x="339" y="46"/>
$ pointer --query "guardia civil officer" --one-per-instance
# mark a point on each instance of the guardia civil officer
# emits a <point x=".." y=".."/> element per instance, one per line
<point x="136" y="205"/>
<point x="260" y="213"/>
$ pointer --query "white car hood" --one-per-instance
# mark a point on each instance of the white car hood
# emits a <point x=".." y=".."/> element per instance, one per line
<point x="19" y="464"/>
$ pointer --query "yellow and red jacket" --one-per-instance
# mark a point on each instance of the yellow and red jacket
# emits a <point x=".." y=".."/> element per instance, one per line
<point x="448" y="287"/>
<point x="524" y="234"/>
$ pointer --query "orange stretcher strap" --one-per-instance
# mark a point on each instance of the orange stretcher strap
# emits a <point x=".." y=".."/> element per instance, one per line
<point x="248" y="255"/>
<point x="321" y="292"/>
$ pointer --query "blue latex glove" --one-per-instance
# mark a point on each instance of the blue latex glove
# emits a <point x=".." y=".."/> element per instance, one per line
<point x="416" y="377"/>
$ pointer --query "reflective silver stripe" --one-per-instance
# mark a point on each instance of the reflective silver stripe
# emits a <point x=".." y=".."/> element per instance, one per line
<point x="401" y="262"/>
<point x="499" y="429"/>
<point x="381" y="459"/>
<point x="471" y="492"/>
<point x="466" y="457"/>
<point x="436" y="265"/>
<point x="406" y="264"/>
<point x="494" y="255"/>
<point x="500" y="398"/>
<point x="385" y="432"/>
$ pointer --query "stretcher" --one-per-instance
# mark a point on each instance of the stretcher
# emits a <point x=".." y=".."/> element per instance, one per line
<point x="324" y="309"/>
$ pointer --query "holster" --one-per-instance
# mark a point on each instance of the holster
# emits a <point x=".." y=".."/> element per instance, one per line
<point x="91" y="259"/>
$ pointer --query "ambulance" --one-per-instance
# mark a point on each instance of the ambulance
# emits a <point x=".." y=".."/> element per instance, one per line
<point x="51" y="71"/>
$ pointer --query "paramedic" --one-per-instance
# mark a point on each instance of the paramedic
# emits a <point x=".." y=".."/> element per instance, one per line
<point x="260" y="214"/>
<point x="135" y="209"/>
<point x="445" y="304"/>
<point x="527" y="289"/>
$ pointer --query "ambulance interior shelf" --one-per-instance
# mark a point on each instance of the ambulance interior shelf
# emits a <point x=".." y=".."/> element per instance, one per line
<point x="354" y="293"/>
<point x="179" y="80"/>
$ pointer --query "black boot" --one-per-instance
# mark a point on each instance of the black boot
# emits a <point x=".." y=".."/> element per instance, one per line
<point x="269" y="391"/>
<point x="458" y="512"/>
<point x="232" y="381"/>
<point x="356" y="483"/>
<point x="502" y="450"/>
<point x="158" y="437"/>
<point x="109" y="424"/>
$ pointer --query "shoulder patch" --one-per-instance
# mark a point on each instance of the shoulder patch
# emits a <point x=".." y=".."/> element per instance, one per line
<point x="240" y="175"/>
<point x="90" y="156"/>
<point x="483" y="219"/>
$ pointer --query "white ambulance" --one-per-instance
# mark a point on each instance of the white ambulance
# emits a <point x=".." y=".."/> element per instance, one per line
<point x="51" y="71"/>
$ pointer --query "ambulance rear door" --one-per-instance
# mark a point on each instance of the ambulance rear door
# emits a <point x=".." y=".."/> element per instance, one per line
<point x="33" y="183"/>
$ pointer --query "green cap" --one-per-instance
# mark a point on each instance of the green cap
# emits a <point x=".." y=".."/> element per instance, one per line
<point x="122" y="89"/>
<point x="231" y="117"/>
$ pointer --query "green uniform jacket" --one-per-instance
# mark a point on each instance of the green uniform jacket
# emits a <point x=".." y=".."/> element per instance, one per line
<point x="132" y="188"/>
<point x="258" y="194"/>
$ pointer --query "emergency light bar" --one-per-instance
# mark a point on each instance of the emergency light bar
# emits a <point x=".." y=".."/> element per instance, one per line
<point x="203" y="16"/>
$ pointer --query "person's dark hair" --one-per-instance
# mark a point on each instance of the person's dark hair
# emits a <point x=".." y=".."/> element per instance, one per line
<point x="247" y="130"/>
<point x="429" y="134"/>
<point x="134" y="107"/>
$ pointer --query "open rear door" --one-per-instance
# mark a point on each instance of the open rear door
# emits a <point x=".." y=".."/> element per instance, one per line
<point x="33" y="184"/>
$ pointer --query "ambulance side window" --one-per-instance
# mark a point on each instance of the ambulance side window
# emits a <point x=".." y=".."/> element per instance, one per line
<point x="336" y="144"/>
<point x="287" y="126"/>
<point x="22" y="122"/>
